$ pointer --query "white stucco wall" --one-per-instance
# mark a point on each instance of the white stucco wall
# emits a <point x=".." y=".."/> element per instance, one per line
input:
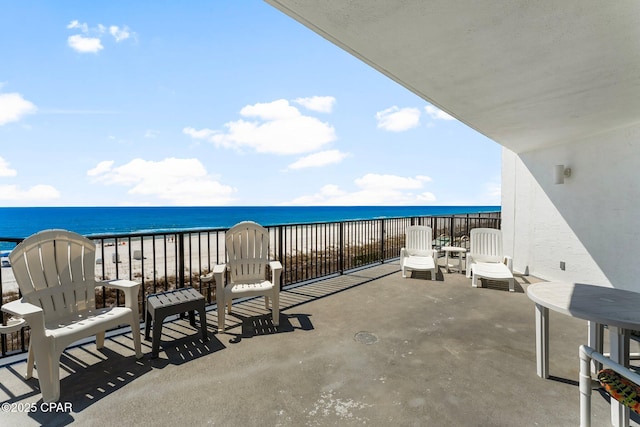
<point x="591" y="222"/>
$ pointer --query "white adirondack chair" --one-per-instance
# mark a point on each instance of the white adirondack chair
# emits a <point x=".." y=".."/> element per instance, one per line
<point x="247" y="245"/>
<point x="55" y="271"/>
<point x="486" y="259"/>
<point x="418" y="253"/>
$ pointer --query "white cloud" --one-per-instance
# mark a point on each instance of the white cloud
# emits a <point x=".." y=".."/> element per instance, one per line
<point x="84" y="44"/>
<point x="75" y="24"/>
<point x="328" y="195"/>
<point x="277" y="127"/>
<point x="373" y="189"/>
<point x="102" y="167"/>
<point x="199" y="134"/>
<point x="90" y="39"/>
<point x="321" y="104"/>
<point x="36" y="193"/>
<point x="322" y="158"/>
<point x="437" y="114"/>
<point x="150" y="133"/>
<point x="396" y="119"/>
<point x="13" y="107"/>
<point x="13" y="193"/>
<point x="119" y="33"/>
<point x="175" y="181"/>
<point x="5" y="170"/>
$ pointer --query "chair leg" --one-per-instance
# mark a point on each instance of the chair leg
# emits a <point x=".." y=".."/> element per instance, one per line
<point x="221" y="305"/>
<point x="100" y="340"/>
<point x="229" y="307"/>
<point x="474" y="281"/>
<point x="135" y="334"/>
<point x="275" y="309"/>
<point x="49" y="374"/>
<point x="266" y="302"/>
<point x="30" y="363"/>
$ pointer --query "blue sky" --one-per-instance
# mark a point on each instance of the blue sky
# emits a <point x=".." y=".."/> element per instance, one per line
<point x="214" y="103"/>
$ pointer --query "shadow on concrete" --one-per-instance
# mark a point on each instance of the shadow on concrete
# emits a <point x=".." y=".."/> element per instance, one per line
<point x="263" y="325"/>
<point x="87" y="375"/>
<point x="86" y="383"/>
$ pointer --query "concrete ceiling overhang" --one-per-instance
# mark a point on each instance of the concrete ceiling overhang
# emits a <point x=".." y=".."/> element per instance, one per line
<point x="527" y="74"/>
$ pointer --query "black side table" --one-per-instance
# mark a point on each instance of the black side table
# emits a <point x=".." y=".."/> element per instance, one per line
<point x="164" y="304"/>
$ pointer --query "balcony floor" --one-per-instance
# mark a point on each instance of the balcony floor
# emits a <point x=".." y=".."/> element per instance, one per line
<point x="365" y="348"/>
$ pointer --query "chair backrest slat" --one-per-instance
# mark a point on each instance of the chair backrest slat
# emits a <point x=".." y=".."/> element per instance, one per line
<point x="419" y="240"/>
<point x="486" y="244"/>
<point x="54" y="269"/>
<point x="248" y="252"/>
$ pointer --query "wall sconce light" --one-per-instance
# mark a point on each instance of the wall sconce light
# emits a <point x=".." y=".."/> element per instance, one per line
<point x="560" y="173"/>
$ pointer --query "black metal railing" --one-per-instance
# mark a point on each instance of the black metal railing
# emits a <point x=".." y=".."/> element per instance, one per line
<point x="168" y="260"/>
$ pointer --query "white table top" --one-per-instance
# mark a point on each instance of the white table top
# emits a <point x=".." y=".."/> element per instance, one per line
<point x="607" y="306"/>
<point x="452" y="249"/>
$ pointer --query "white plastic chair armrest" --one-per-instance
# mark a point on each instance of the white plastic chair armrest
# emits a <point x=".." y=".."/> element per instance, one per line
<point x="31" y="313"/>
<point x="276" y="270"/>
<point x="14" y="324"/>
<point x="275" y="265"/>
<point x="129" y="287"/>
<point x="219" y="269"/>
<point x="403" y="255"/>
<point x="21" y="308"/>
<point x="468" y="266"/>
<point x="508" y="261"/>
<point x="218" y="274"/>
<point x="434" y="254"/>
<point x="119" y="284"/>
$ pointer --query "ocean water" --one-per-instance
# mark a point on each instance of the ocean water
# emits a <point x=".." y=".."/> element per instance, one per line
<point x="22" y="222"/>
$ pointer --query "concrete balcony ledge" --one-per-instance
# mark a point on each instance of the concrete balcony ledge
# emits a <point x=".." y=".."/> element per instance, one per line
<point x="365" y="348"/>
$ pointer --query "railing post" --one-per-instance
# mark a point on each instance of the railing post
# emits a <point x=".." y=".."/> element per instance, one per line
<point x="466" y="226"/>
<point x="452" y="230"/>
<point x="382" y="221"/>
<point x="3" y="337"/>
<point x="180" y="261"/>
<point x="341" y="248"/>
<point x="104" y="270"/>
<point x="117" y="258"/>
<point x="279" y="239"/>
